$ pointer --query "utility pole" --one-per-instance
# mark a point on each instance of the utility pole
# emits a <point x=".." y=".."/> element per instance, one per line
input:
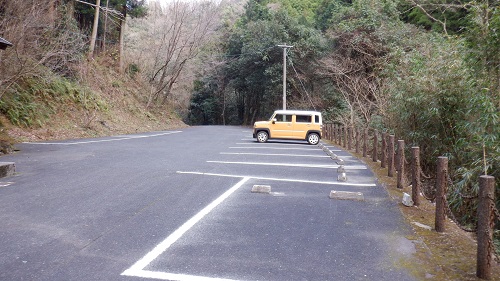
<point x="284" y="73"/>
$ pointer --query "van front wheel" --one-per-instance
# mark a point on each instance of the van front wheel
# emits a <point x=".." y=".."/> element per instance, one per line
<point x="262" y="136"/>
<point x="313" y="138"/>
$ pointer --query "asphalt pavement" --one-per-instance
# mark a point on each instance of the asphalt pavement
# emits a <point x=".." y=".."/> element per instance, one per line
<point x="177" y="205"/>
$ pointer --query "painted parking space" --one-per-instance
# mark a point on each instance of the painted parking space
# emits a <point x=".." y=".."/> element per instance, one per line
<point x="296" y="232"/>
<point x="305" y="161"/>
<point x="256" y="237"/>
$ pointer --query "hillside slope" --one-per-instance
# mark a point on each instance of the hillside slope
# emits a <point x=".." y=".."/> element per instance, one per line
<point x="102" y="102"/>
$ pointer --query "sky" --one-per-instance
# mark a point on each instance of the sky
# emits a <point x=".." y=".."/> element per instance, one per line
<point x="167" y="1"/>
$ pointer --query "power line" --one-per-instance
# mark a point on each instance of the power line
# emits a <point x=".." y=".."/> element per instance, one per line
<point x="244" y="54"/>
<point x="105" y="9"/>
<point x="302" y="84"/>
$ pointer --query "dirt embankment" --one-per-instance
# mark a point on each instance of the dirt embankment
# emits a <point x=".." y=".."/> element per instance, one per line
<point x="103" y="102"/>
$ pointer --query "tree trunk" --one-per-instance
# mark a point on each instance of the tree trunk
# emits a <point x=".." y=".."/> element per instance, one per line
<point x="122" y="35"/>
<point x="52" y="12"/>
<point x="94" y="29"/>
<point x="105" y="27"/>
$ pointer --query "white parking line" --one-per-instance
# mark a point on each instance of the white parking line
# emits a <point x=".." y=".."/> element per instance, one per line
<point x="106" y="140"/>
<point x="270" y="154"/>
<point x="138" y="268"/>
<point x="259" y="145"/>
<point x="280" y="179"/>
<point x="353" y="167"/>
<point x="174" y="276"/>
<point x="277" y="144"/>
<point x="273" y="147"/>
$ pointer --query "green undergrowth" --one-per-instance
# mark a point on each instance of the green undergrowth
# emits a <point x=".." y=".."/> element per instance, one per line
<point x="33" y="101"/>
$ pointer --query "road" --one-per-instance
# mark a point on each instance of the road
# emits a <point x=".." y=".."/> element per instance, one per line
<point x="177" y="205"/>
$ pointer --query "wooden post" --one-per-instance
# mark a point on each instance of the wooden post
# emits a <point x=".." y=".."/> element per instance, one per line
<point x="383" y="155"/>
<point x="390" y="157"/>
<point x="485" y="225"/>
<point x="340" y="130"/>
<point x="353" y="136"/>
<point x="365" y="142"/>
<point x="349" y="138"/>
<point x="415" y="178"/>
<point x="442" y="175"/>
<point x="339" y="135"/>
<point x="344" y="137"/>
<point x="401" y="164"/>
<point x="396" y="157"/>
<point x="375" y="146"/>
<point x="334" y="130"/>
<point x="358" y="139"/>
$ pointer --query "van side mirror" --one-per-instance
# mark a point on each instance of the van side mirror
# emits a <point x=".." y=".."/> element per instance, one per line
<point x="274" y="120"/>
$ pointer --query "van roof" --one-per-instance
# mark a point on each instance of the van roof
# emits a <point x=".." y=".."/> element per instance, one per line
<point x="306" y="112"/>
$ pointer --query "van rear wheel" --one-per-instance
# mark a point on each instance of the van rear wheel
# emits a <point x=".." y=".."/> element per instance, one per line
<point x="262" y="136"/>
<point x="313" y="138"/>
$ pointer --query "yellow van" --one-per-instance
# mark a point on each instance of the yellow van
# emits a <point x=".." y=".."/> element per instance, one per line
<point x="290" y="124"/>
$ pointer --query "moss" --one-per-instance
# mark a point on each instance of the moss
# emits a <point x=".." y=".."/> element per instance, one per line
<point x="35" y="101"/>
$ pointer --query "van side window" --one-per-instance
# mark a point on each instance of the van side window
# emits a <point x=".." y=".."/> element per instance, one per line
<point x="316" y="119"/>
<point x="303" y="118"/>
<point x="283" y="118"/>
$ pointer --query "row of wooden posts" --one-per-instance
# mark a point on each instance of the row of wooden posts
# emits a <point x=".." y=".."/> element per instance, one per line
<point x="392" y="157"/>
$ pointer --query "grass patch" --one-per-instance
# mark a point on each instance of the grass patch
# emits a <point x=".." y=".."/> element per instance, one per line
<point x="34" y="101"/>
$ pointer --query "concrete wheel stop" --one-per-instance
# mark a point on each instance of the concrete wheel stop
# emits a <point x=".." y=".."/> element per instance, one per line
<point x="261" y="189"/>
<point x="7" y="169"/>
<point x="346" y="195"/>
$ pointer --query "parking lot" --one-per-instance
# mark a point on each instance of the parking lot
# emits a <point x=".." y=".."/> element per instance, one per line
<point x="293" y="232"/>
<point x="179" y="206"/>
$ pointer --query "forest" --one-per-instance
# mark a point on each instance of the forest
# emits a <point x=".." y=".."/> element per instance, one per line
<point x="427" y="71"/>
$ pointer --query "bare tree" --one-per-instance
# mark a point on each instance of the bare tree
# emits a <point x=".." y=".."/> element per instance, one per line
<point x="482" y="32"/>
<point x="439" y="7"/>
<point x="174" y="38"/>
<point x="352" y="69"/>
<point x="40" y="42"/>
